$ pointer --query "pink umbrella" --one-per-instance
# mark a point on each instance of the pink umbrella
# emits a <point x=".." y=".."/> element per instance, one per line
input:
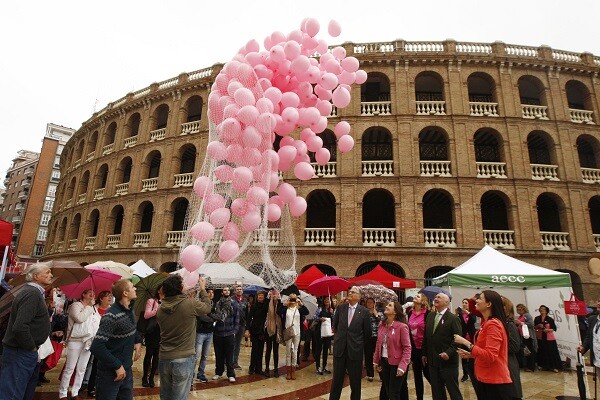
<point x="327" y="286"/>
<point x="98" y="280"/>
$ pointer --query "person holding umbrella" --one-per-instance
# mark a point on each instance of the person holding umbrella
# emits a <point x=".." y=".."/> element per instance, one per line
<point x="322" y="341"/>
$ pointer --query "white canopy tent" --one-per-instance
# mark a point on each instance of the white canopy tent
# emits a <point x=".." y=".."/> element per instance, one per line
<point x="225" y="274"/>
<point x="521" y="282"/>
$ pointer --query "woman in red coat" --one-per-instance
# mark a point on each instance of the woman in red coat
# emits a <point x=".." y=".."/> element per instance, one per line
<point x="392" y="351"/>
<point x="490" y="349"/>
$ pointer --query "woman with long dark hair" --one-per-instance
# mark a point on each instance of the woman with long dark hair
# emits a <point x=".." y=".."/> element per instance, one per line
<point x="548" y="357"/>
<point x="323" y="342"/>
<point x="467" y="323"/>
<point x="490" y="349"/>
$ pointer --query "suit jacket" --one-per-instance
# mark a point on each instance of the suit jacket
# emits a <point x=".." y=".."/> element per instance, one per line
<point x="589" y="336"/>
<point x="398" y="344"/>
<point x="350" y="339"/>
<point x="442" y="340"/>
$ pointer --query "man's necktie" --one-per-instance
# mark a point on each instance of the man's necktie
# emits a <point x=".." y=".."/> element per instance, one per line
<point x="438" y="316"/>
<point x="350" y="314"/>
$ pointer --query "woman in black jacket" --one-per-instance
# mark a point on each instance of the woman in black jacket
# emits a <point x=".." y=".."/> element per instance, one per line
<point x="467" y="323"/>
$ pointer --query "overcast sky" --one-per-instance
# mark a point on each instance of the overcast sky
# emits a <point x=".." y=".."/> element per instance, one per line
<point x="61" y="60"/>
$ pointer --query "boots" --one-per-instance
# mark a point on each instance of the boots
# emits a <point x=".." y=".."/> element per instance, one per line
<point x="267" y="373"/>
<point x="293" y="374"/>
<point x="289" y="372"/>
<point x="145" y="382"/>
<point x="276" y="371"/>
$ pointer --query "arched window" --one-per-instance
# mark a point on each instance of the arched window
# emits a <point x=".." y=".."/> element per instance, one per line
<point x="434" y="272"/>
<point x="320" y="212"/>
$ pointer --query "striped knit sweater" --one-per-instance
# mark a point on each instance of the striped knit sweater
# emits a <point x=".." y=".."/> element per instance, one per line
<point x="114" y="341"/>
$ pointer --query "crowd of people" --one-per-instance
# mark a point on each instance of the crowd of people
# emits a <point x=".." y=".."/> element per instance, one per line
<point x="487" y="338"/>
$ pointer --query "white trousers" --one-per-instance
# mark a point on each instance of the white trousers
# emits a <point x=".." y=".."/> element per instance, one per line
<point x="77" y="359"/>
<point x="291" y="351"/>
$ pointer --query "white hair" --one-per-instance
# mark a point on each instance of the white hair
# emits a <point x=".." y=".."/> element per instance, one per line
<point x="35" y="269"/>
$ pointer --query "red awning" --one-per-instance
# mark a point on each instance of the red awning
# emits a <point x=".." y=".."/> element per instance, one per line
<point x="308" y="276"/>
<point x="6" y="231"/>
<point x="386" y="279"/>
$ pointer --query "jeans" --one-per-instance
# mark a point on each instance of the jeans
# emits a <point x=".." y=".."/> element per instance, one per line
<point x="18" y="371"/>
<point x="176" y="377"/>
<point x="203" y="342"/>
<point x="239" y="335"/>
<point x="224" y="346"/>
<point x="108" y="389"/>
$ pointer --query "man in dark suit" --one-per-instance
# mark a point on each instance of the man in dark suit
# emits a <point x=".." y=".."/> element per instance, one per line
<point x="439" y="349"/>
<point x="593" y="323"/>
<point x="351" y="326"/>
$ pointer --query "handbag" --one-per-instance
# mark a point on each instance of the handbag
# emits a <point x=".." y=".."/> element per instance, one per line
<point x="288" y="333"/>
<point x="574" y="306"/>
<point x="52" y="359"/>
<point x="87" y="328"/>
<point x="313" y="325"/>
<point x="326" y="330"/>
<point x="45" y="349"/>
<point x="525" y="331"/>
<point x="146" y="325"/>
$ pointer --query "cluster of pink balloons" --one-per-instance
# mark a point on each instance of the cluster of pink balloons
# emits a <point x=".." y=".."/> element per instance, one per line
<point x="282" y="94"/>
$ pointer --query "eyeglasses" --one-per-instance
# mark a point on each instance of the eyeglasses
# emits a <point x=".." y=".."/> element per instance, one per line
<point x="352" y="292"/>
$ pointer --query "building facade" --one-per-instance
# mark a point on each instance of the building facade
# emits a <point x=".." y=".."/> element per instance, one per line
<point x="458" y="145"/>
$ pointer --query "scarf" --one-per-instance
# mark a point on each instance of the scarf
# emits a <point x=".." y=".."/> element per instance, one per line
<point x="273" y="321"/>
<point x="223" y="308"/>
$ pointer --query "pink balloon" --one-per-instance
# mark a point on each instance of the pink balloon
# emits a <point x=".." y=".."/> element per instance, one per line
<point x="322" y="156"/>
<point x="192" y="257"/>
<point x="220" y="217"/>
<point x="286" y="192"/>
<point x="313" y="74"/>
<point x="212" y="202"/>
<point x="203" y="186"/>
<point x="361" y="77"/>
<point x="191" y="280"/>
<point x="251" y="137"/>
<point x="269" y="181"/>
<point x="203" y="231"/>
<point x="340" y="97"/>
<point x="265" y="123"/>
<point x="264" y="105"/>
<point x="273" y="212"/>
<point x="314" y="143"/>
<point x="252" y="45"/>
<point x="216" y="150"/>
<point x="231" y="111"/>
<point x="306" y="134"/>
<point x="231" y="232"/>
<point x="286" y="154"/>
<point x="230" y="129"/>
<point x="339" y="52"/>
<point x="251" y="221"/>
<point x="276" y="200"/>
<point x="290" y="99"/>
<point x="324" y="107"/>
<point x="334" y="28"/>
<point x="296" y="36"/>
<point x="304" y="171"/>
<point x="270" y="159"/>
<point x="311" y="26"/>
<point x="333" y="66"/>
<point x="277" y="37"/>
<point x="341" y="128"/>
<point x="232" y="87"/>
<point x="244" y="97"/>
<point x="300" y="64"/>
<point x="347" y="78"/>
<point x="329" y="81"/>
<point x="233" y="153"/>
<point x="277" y="53"/>
<point x="290" y="115"/>
<point x="242" y="176"/>
<point x="248" y="114"/>
<point x="323" y="93"/>
<point x="297" y="206"/>
<point x="321" y="47"/>
<point x="320" y="126"/>
<point x="228" y="250"/>
<point x="345" y="143"/>
<point x="257" y="195"/>
<point x="350" y="64"/>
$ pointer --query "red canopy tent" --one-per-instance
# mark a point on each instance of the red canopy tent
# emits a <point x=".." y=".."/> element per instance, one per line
<point x="308" y="276"/>
<point x="386" y="279"/>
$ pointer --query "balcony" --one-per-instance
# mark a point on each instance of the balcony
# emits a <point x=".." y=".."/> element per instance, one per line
<point x="540" y="172"/>
<point x="581" y="116"/>
<point x="174" y="238"/>
<point x="77" y="163"/>
<point x="431" y="108"/>
<point x="99" y="194"/>
<point x="319" y="236"/>
<point x="435" y="168"/>
<point x="158" y="134"/>
<point x="483" y="109"/>
<point x="190" y="128"/>
<point x="26" y="183"/>
<point x="90" y="243"/>
<point x="325" y="171"/>
<point x="499" y="239"/>
<point x="60" y="246"/>
<point x="69" y="203"/>
<point x="23" y="195"/>
<point x="17" y="219"/>
<point x="72" y="244"/>
<point x="108" y="149"/>
<point x="491" y="170"/>
<point x="334" y="112"/>
<point x="89" y="157"/>
<point x="272" y="237"/>
<point x="113" y="241"/>
<point x="28" y="172"/>
<point x="122" y="189"/>
<point x="373" y="108"/>
<point x="534" y="112"/>
<point x="141" y="239"/>
<point x="439" y="237"/>
<point x="130" y="141"/>
<point x="596" y="238"/>
<point x="590" y="175"/>
<point x="378" y="168"/>
<point x="149" y="184"/>
<point x="81" y="198"/>
<point x="182" y="180"/>
<point x="555" y="240"/>
<point x="385" y="237"/>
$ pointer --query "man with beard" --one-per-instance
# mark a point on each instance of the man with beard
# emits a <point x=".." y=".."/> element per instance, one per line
<point x="255" y="328"/>
<point x="227" y="318"/>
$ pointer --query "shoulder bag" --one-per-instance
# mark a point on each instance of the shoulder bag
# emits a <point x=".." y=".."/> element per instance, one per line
<point x="288" y="333"/>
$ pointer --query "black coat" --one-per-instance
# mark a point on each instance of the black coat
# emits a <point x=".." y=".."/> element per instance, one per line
<point x="442" y="340"/>
<point x="255" y="323"/>
<point x="351" y="339"/>
<point x="593" y="323"/>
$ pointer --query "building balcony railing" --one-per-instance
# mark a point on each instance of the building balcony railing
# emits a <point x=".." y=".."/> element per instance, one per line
<point x="491" y="169"/>
<point x="334" y="112"/>
<point x="108" y="149"/>
<point x="539" y="172"/>
<point x="385" y="237"/>
<point x="72" y="244"/>
<point x="372" y="108"/>
<point x="325" y="171"/>
<point x="81" y="198"/>
<point x="90" y="243"/>
<point x="596" y="238"/>
<point x="19" y="206"/>
<point x="69" y="203"/>
<point x="439" y="237"/>
<point x="590" y="175"/>
<point x="28" y="172"/>
<point x="273" y="237"/>
<point x="189" y="128"/>
<point x="378" y="168"/>
<point x="431" y="108"/>
<point x="435" y="168"/>
<point x="319" y="236"/>
<point x="77" y="163"/>
<point x="149" y="184"/>
<point x="174" y="238"/>
<point x="141" y="239"/>
<point x="186" y="179"/>
<point x="499" y="239"/>
<point x="17" y="218"/>
<point x="99" y="194"/>
<point x="89" y="157"/>
<point x="483" y="109"/>
<point x="26" y="183"/>
<point x="581" y="116"/>
<point x="534" y="112"/>
<point x="60" y="246"/>
<point x="113" y="241"/>
<point x="130" y="141"/>
<point x="555" y="240"/>
<point x="158" y="134"/>
<point x="122" y="189"/>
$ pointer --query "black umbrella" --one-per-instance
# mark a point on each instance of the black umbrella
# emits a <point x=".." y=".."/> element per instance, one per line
<point x="431" y="291"/>
<point x="291" y="289"/>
